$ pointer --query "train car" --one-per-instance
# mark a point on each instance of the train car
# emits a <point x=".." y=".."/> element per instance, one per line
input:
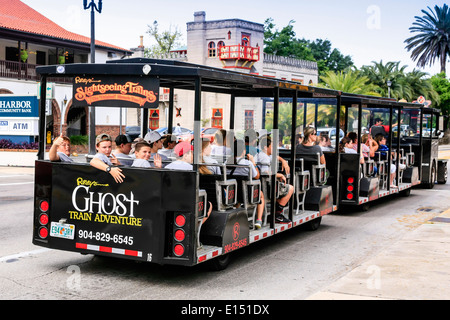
<point x="163" y="215"/>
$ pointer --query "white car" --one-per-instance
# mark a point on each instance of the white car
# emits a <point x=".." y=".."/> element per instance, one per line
<point x="331" y="133"/>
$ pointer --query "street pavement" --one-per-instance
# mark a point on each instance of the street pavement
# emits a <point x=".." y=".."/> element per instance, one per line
<point x="416" y="267"/>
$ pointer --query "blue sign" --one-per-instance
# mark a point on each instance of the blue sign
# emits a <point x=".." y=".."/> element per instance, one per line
<point x="19" y="107"/>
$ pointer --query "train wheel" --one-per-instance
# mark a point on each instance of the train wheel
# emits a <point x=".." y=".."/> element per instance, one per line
<point x="314" y="224"/>
<point x="365" y="207"/>
<point x="433" y="177"/>
<point x="405" y="193"/>
<point x="220" y="263"/>
<point x="442" y="174"/>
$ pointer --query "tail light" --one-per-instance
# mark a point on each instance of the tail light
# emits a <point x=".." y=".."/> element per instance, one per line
<point x="44" y="219"/>
<point x="178" y="250"/>
<point x="180" y="220"/>
<point x="44" y="206"/>
<point x="43" y="232"/>
<point x="350" y="188"/>
<point x="179" y="235"/>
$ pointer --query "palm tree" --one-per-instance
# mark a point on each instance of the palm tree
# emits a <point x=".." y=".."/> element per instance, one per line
<point x="379" y="74"/>
<point x="432" y="40"/>
<point x="350" y="81"/>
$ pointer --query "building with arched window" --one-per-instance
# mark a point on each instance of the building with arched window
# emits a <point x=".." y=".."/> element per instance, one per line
<point x="27" y="40"/>
<point x="236" y="45"/>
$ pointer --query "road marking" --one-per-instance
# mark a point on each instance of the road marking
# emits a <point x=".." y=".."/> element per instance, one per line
<point x="15" y="184"/>
<point x="16" y="175"/>
<point x="24" y="254"/>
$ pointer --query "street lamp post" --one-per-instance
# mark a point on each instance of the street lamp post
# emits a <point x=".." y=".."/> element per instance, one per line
<point x="63" y="107"/>
<point x="389" y="83"/>
<point x="94" y="7"/>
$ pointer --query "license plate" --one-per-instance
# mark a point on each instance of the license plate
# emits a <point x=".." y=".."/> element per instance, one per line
<point x="61" y="230"/>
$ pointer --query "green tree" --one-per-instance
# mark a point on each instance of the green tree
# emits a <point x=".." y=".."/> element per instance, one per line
<point x="328" y="58"/>
<point x="442" y="86"/>
<point x="166" y="40"/>
<point x="432" y="40"/>
<point x="404" y="85"/>
<point x="349" y="81"/>
<point x="283" y="43"/>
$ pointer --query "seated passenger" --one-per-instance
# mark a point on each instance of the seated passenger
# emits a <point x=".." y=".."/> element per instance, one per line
<point x="123" y="147"/>
<point x="384" y="151"/>
<point x="346" y="146"/>
<point x="169" y="142"/>
<point x="308" y="145"/>
<point x="325" y="143"/>
<point x="155" y="141"/>
<point x="142" y="153"/>
<point x="104" y="160"/>
<point x="206" y="158"/>
<point x="364" y="148"/>
<point x="251" y="142"/>
<point x="60" y="150"/>
<point x="241" y="158"/>
<point x="183" y="153"/>
<point x="221" y="148"/>
<point x="367" y="140"/>
<point x="184" y="156"/>
<point x="286" y="190"/>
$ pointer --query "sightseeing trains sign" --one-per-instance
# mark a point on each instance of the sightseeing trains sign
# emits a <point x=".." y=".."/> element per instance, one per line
<point x="119" y="92"/>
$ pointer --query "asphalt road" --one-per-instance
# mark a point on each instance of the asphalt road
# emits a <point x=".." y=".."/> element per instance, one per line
<point x="292" y="265"/>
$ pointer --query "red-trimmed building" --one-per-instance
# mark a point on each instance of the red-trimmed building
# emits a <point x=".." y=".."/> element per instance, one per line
<point x="28" y="39"/>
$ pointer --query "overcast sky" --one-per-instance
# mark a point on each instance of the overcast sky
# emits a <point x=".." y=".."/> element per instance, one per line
<point x="366" y="30"/>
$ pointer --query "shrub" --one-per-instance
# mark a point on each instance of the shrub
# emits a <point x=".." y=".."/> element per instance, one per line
<point x="8" y="144"/>
<point x="79" y="140"/>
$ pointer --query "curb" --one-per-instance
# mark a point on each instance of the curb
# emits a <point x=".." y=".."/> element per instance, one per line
<point x="414" y="268"/>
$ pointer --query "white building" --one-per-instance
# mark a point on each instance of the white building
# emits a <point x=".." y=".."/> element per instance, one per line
<point x="236" y="45"/>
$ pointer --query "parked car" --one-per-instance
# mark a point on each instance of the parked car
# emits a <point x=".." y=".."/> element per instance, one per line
<point x="133" y="131"/>
<point x="209" y="133"/>
<point x="186" y="134"/>
<point x="331" y="133"/>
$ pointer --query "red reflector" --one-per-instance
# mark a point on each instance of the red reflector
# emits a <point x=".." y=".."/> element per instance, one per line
<point x="178" y="250"/>
<point x="350" y="188"/>
<point x="349" y="196"/>
<point x="43" y="232"/>
<point x="44" y="206"/>
<point x="350" y="180"/>
<point x="180" y="220"/>
<point x="179" y="235"/>
<point x="43" y="219"/>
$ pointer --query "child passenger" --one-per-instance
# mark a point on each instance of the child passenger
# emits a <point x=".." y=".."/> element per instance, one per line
<point x="183" y="153"/>
<point x="60" y="150"/>
<point x="242" y="159"/>
<point x="104" y="160"/>
<point x="264" y="160"/>
<point x="143" y="152"/>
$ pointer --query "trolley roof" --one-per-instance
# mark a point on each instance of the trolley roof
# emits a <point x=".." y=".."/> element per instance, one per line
<point x="182" y="75"/>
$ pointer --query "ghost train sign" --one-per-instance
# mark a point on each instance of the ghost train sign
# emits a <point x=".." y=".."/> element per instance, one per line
<point x="19" y="117"/>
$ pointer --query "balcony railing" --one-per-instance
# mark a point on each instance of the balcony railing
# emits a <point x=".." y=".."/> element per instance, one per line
<point x="24" y="71"/>
<point x="16" y="70"/>
<point x="239" y="52"/>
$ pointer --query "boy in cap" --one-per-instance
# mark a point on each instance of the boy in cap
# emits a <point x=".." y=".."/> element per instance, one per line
<point x="156" y="143"/>
<point x="104" y="160"/>
<point x="123" y="148"/>
<point x="183" y="153"/>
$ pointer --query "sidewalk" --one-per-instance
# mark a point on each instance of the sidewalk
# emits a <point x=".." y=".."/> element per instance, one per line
<point x="417" y="267"/>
